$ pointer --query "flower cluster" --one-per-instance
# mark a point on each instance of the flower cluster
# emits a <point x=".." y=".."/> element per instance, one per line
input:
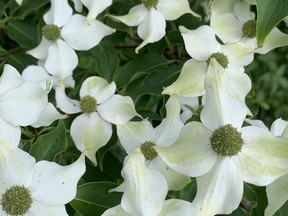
<point x="204" y="133"/>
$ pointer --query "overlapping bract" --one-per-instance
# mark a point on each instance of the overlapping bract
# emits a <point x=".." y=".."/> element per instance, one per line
<point x="162" y="158"/>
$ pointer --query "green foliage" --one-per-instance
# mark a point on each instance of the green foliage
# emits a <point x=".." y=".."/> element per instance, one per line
<point x="142" y="77"/>
<point x="94" y="198"/>
<point x="269" y="14"/>
<point x="49" y="145"/>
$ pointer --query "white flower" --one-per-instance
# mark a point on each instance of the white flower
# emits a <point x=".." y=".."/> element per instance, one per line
<point x="40" y="76"/>
<point x="134" y="135"/>
<point x="233" y="21"/>
<point x="277" y="191"/>
<point x="29" y="188"/>
<point x="202" y="46"/>
<point x="145" y="192"/>
<point x="150" y="18"/>
<point x="64" y="33"/>
<point x="222" y="154"/>
<point x="21" y="103"/>
<point x="95" y="7"/>
<point x="100" y="107"/>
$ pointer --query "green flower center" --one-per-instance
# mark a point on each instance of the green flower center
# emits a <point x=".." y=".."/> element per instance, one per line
<point x="220" y="58"/>
<point x="16" y="200"/>
<point x="88" y="104"/>
<point x="150" y="3"/>
<point x="148" y="151"/>
<point x="249" y="29"/>
<point x="226" y="141"/>
<point x="51" y="32"/>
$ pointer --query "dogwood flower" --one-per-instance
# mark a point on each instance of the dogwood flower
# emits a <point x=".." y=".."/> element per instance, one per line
<point x="233" y="21"/>
<point x="29" y="188"/>
<point x="221" y="153"/>
<point x="150" y="18"/>
<point x="100" y="107"/>
<point x="95" y="7"/>
<point x="145" y="191"/>
<point x="134" y="135"/>
<point x="64" y="33"/>
<point x="21" y="103"/>
<point x="202" y="46"/>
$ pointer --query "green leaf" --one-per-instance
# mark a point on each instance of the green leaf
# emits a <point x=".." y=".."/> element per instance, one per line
<point x="269" y="14"/>
<point x="25" y="33"/>
<point x="189" y="191"/>
<point x="20" y="60"/>
<point x="106" y="59"/>
<point x="157" y="80"/>
<point x="143" y="63"/>
<point x="93" y="198"/>
<point x="30" y="6"/>
<point x="283" y="210"/>
<point x="49" y="145"/>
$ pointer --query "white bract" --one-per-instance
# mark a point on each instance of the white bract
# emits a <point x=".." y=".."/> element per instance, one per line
<point x="39" y="75"/>
<point x="222" y="154"/>
<point x="64" y="33"/>
<point x="150" y="18"/>
<point x="145" y="192"/>
<point x="100" y="107"/>
<point x="202" y="46"/>
<point x="29" y="188"/>
<point x="95" y="7"/>
<point x="21" y="103"/>
<point x="233" y="21"/>
<point x="277" y="191"/>
<point x="134" y="135"/>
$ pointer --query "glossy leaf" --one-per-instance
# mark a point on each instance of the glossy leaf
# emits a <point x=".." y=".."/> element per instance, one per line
<point x="49" y="145"/>
<point x="269" y="14"/>
<point x="106" y="59"/>
<point x="30" y="6"/>
<point x="144" y="63"/>
<point x="157" y="80"/>
<point x="25" y="33"/>
<point x="93" y="198"/>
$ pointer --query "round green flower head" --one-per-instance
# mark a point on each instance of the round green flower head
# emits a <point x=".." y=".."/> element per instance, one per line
<point x="150" y="3"/>
<point x="226" y="141"/>
<point x="16" y="200"/>
<point x="220" y="58"/>
<point x="249" y="29"/>
<point x="88" y="104"/>
<point x="51" y="32"/>
<point x="148" y="151"/>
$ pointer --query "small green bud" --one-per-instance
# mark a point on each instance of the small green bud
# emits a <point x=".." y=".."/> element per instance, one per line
<point x="148" y="151"/>
<point x="249" y="29"/>
<point x="16" y="200"/>
<point x="226" y="141"/>
<point x="51" y="32"/>
<point x="88" y="104"/>
<point x="220" y="58"/>
<point x="150" y="3"/>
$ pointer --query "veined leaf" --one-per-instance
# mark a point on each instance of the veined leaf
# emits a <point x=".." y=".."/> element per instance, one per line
<point x="93" y="198"/>
<point x="49" y="145"/>
<point x="269" y="14"/>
